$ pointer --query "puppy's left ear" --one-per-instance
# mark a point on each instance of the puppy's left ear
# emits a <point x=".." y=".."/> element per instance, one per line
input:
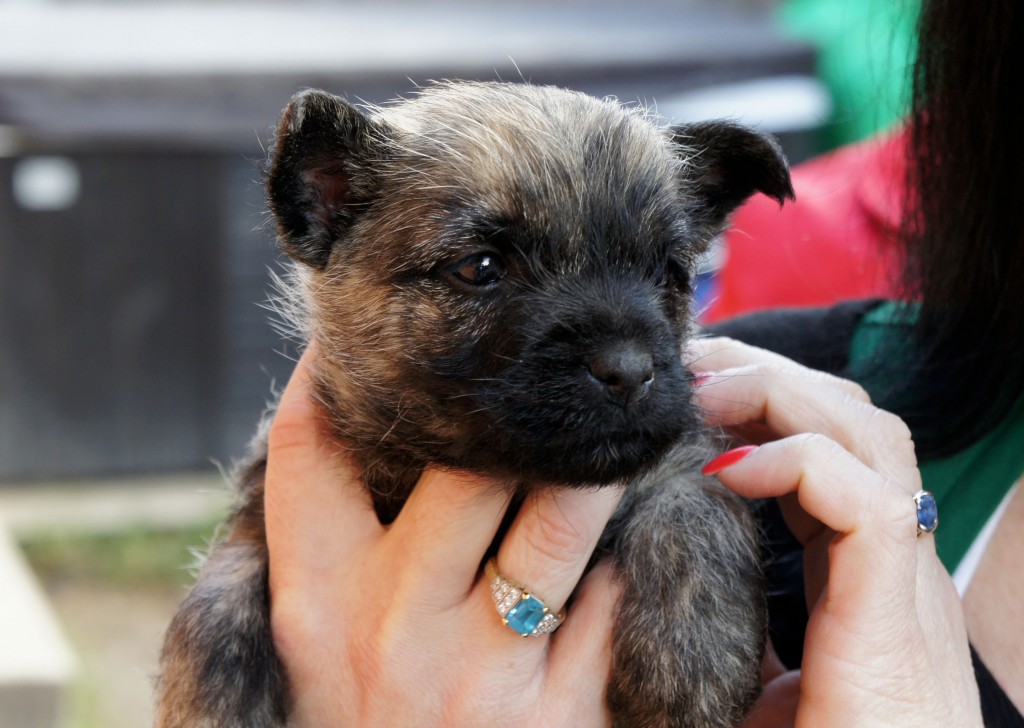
<point x="727" y="163"/>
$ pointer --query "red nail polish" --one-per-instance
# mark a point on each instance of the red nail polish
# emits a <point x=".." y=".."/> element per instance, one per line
<point x="727" y="458"/>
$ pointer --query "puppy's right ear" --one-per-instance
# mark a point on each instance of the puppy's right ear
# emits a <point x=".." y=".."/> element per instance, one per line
<point x="320" y="173"/>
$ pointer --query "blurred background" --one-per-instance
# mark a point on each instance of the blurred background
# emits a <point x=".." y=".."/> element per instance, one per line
<point x="135" y="354"/>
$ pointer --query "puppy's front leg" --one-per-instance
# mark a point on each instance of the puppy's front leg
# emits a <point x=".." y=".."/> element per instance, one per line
<point x="689" y="642"/>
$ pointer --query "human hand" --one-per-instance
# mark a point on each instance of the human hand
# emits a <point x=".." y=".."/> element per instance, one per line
<point x="885" y="643"/>
<point x="395" y="625"/>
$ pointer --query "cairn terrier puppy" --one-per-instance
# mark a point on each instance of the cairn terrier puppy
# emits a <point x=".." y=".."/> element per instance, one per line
<point x="499" y="278"/>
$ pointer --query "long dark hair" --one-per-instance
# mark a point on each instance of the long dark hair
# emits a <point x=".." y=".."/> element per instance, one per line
<point x="964" y="231"/>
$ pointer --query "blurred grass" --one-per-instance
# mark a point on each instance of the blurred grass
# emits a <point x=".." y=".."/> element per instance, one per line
<point x="136" y="556"/>
<point x="115" y="593"/>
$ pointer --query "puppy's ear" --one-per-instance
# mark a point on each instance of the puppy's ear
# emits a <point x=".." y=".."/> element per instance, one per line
<point x="727" y="163"/>
<point x="321" y="173"/>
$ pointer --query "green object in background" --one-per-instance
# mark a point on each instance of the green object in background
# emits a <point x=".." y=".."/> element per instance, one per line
<point x="866" y="52"/>
<point x="969" y="485"/>
<point x="136" y="556"/>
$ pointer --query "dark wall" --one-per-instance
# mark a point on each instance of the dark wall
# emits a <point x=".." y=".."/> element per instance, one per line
<point x="113" y="316"/>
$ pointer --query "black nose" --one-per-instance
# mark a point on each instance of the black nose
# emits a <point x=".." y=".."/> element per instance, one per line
<point x="625" y="371"/>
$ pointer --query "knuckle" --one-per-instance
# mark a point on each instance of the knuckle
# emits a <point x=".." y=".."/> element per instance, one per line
<point x="896" y="510"/>
<point x="287" y="431"/>
<point x="294" y="428"/>
<point x="291" y="625"/>
<point x="854" y="390"/>
<point x="896" y="438"/>
<point x="556" y="537"/>
<point x="851" y="391"/>
<point x="818" y="453"/>
<point x="892" y="428"/>
<point x="817" y="445"/>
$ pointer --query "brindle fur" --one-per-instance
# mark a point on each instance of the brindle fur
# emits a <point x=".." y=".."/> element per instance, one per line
<point x="599" y="214"/>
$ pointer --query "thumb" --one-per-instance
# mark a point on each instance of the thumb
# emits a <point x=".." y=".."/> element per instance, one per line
<point x="317" y="512"/>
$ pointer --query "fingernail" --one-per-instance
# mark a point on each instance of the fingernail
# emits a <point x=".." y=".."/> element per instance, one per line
<point x="700" y="378"/>
<point x="727" y="458"/>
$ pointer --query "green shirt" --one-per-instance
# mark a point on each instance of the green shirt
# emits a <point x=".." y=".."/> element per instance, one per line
<point x="968" y="485"/>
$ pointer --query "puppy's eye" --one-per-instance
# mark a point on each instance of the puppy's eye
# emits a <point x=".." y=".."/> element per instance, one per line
<point x="479" y="269"/>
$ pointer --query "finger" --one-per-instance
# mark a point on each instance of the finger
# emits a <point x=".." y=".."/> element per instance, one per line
<point x="445" y="528"/>
<point x="771" y="666"/>
<point x="789" y="400"/>
<point x="717" y="353"/>
<point x="552" y="538"/>
<point x="316" y="509"/>
<point x="777" y="705"/>
<point x="875" y="519"/>
<point x="581" y="649"/>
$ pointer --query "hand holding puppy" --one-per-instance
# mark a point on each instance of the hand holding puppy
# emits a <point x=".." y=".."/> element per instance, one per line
<point x="886" y="643"/>
<point x="393" y="625"/>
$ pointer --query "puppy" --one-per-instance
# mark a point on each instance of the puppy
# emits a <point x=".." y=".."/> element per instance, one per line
<point x="499" y="279"/>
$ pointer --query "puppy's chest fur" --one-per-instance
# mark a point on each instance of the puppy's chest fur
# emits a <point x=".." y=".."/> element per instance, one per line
<point x="498" y="278"/>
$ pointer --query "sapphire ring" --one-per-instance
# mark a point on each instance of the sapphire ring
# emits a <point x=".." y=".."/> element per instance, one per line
<point x="520" y="609"/>
<point x="927" y="512"/>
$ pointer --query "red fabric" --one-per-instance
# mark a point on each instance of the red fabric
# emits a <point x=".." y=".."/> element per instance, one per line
<point x="836" y="242"/>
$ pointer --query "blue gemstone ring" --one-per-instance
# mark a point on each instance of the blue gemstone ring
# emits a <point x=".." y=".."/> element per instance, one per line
<point x="927" y="512"/>
<point x="520" y="610"/>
